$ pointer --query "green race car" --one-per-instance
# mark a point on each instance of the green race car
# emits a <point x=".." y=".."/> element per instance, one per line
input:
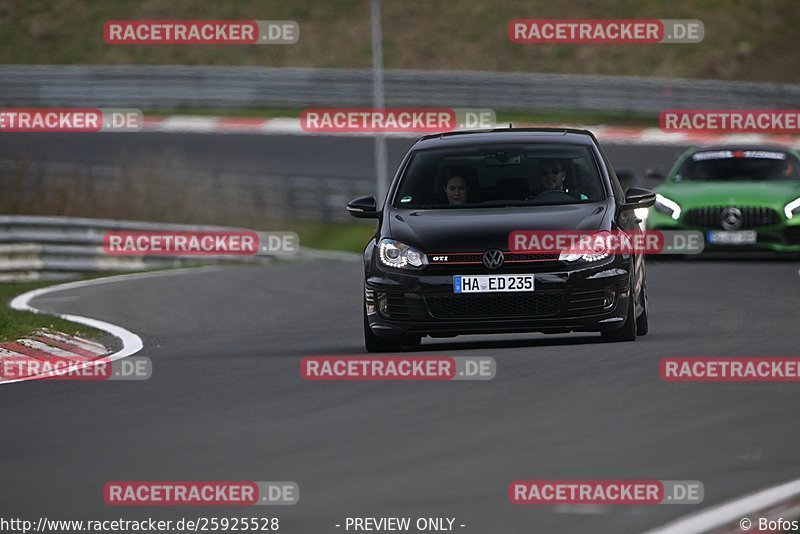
<point x="740" y="197"/>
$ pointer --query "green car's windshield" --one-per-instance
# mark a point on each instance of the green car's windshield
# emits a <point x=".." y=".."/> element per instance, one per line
<point x="739" y="165"/>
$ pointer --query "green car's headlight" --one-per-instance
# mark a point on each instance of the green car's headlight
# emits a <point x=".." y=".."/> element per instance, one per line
<point x="395" y="254"/>
<point x="667" y="207"/>
<point x="792" y="208"/>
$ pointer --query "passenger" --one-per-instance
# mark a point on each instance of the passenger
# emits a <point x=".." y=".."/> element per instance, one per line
<point x="789" y="170"/>
<point x="456" y="189"/>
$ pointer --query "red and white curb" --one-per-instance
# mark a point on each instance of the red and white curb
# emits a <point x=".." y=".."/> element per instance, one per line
<point x="50" y="347"/>
<point x="85" y="351"/>
<point x="606" y="134"/>
<point x="46" y="344"/>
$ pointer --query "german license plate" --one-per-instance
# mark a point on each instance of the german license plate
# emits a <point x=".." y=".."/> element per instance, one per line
<point x="497" y="283"/>
<point x="742" y="237"/>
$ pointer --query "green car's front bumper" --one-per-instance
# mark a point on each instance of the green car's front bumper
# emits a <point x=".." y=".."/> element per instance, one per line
<point x="781" y="237"/>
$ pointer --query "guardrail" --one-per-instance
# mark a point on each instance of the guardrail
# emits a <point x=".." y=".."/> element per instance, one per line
<point x="171" y="87"/>
<point x="34" y="247"/>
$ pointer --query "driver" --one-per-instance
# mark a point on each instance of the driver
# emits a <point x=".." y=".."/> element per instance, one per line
<point x="551" y="175"/>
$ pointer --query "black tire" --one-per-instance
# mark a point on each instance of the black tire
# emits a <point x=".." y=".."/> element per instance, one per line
<point x="628" y="330"/>
<point x="374" y="343"/>
<point x="642" y="322"/>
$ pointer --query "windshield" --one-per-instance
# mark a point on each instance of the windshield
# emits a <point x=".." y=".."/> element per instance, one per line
<point x="491" y="176"/>
<point x="739" y="165"/>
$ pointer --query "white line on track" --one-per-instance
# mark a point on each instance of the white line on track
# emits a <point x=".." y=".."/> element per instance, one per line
<point x="131" y="343"/>
<point x="731" y="511"/>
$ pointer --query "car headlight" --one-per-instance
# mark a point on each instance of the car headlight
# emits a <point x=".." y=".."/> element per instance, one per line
<point x="598" y="250"/>
<point x="395" y="254"/>
<point x="667" y="207"/>
<point x="641" y="213"/>
<point x="792" y="208"/>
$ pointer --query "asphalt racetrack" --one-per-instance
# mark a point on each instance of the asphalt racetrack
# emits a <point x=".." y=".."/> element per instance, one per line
<point x="226" y="400"/>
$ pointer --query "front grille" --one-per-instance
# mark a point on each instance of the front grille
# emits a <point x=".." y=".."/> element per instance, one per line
<point x="475" y="259"/>
<point x="458" y="258"/>
<point x="507" y="305"/>
<point x="711" y="217"/>
<point x="531" y="256"/>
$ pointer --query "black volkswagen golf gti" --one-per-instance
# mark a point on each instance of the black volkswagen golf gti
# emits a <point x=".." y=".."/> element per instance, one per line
<point x="440" y="265"/>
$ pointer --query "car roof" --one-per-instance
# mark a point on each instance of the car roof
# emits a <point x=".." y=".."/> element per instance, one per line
<point x="506" y="135"/>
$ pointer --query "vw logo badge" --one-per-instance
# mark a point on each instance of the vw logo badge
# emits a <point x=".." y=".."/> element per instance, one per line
<point x="731" y="218"/>
<point x="493" y="258"/>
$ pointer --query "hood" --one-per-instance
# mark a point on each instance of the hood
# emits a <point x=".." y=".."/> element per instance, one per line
<point x="470" y="230"/>
<point x="775" y="194"/>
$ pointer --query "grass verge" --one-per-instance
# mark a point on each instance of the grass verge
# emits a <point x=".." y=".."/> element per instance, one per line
<point x="15" y="324"/>
<point x="743" y="39"/>
<point x="335" y="236"/>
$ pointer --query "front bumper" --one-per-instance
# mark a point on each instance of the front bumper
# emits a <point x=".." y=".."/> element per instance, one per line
<point x="781" y="237"/>
<point x="566" y="298"/>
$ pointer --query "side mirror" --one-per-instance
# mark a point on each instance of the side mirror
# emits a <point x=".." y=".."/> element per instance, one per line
<point x="363" y="208"/>
<point x="656" y="172"/>
<point x="636" y="197"/>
